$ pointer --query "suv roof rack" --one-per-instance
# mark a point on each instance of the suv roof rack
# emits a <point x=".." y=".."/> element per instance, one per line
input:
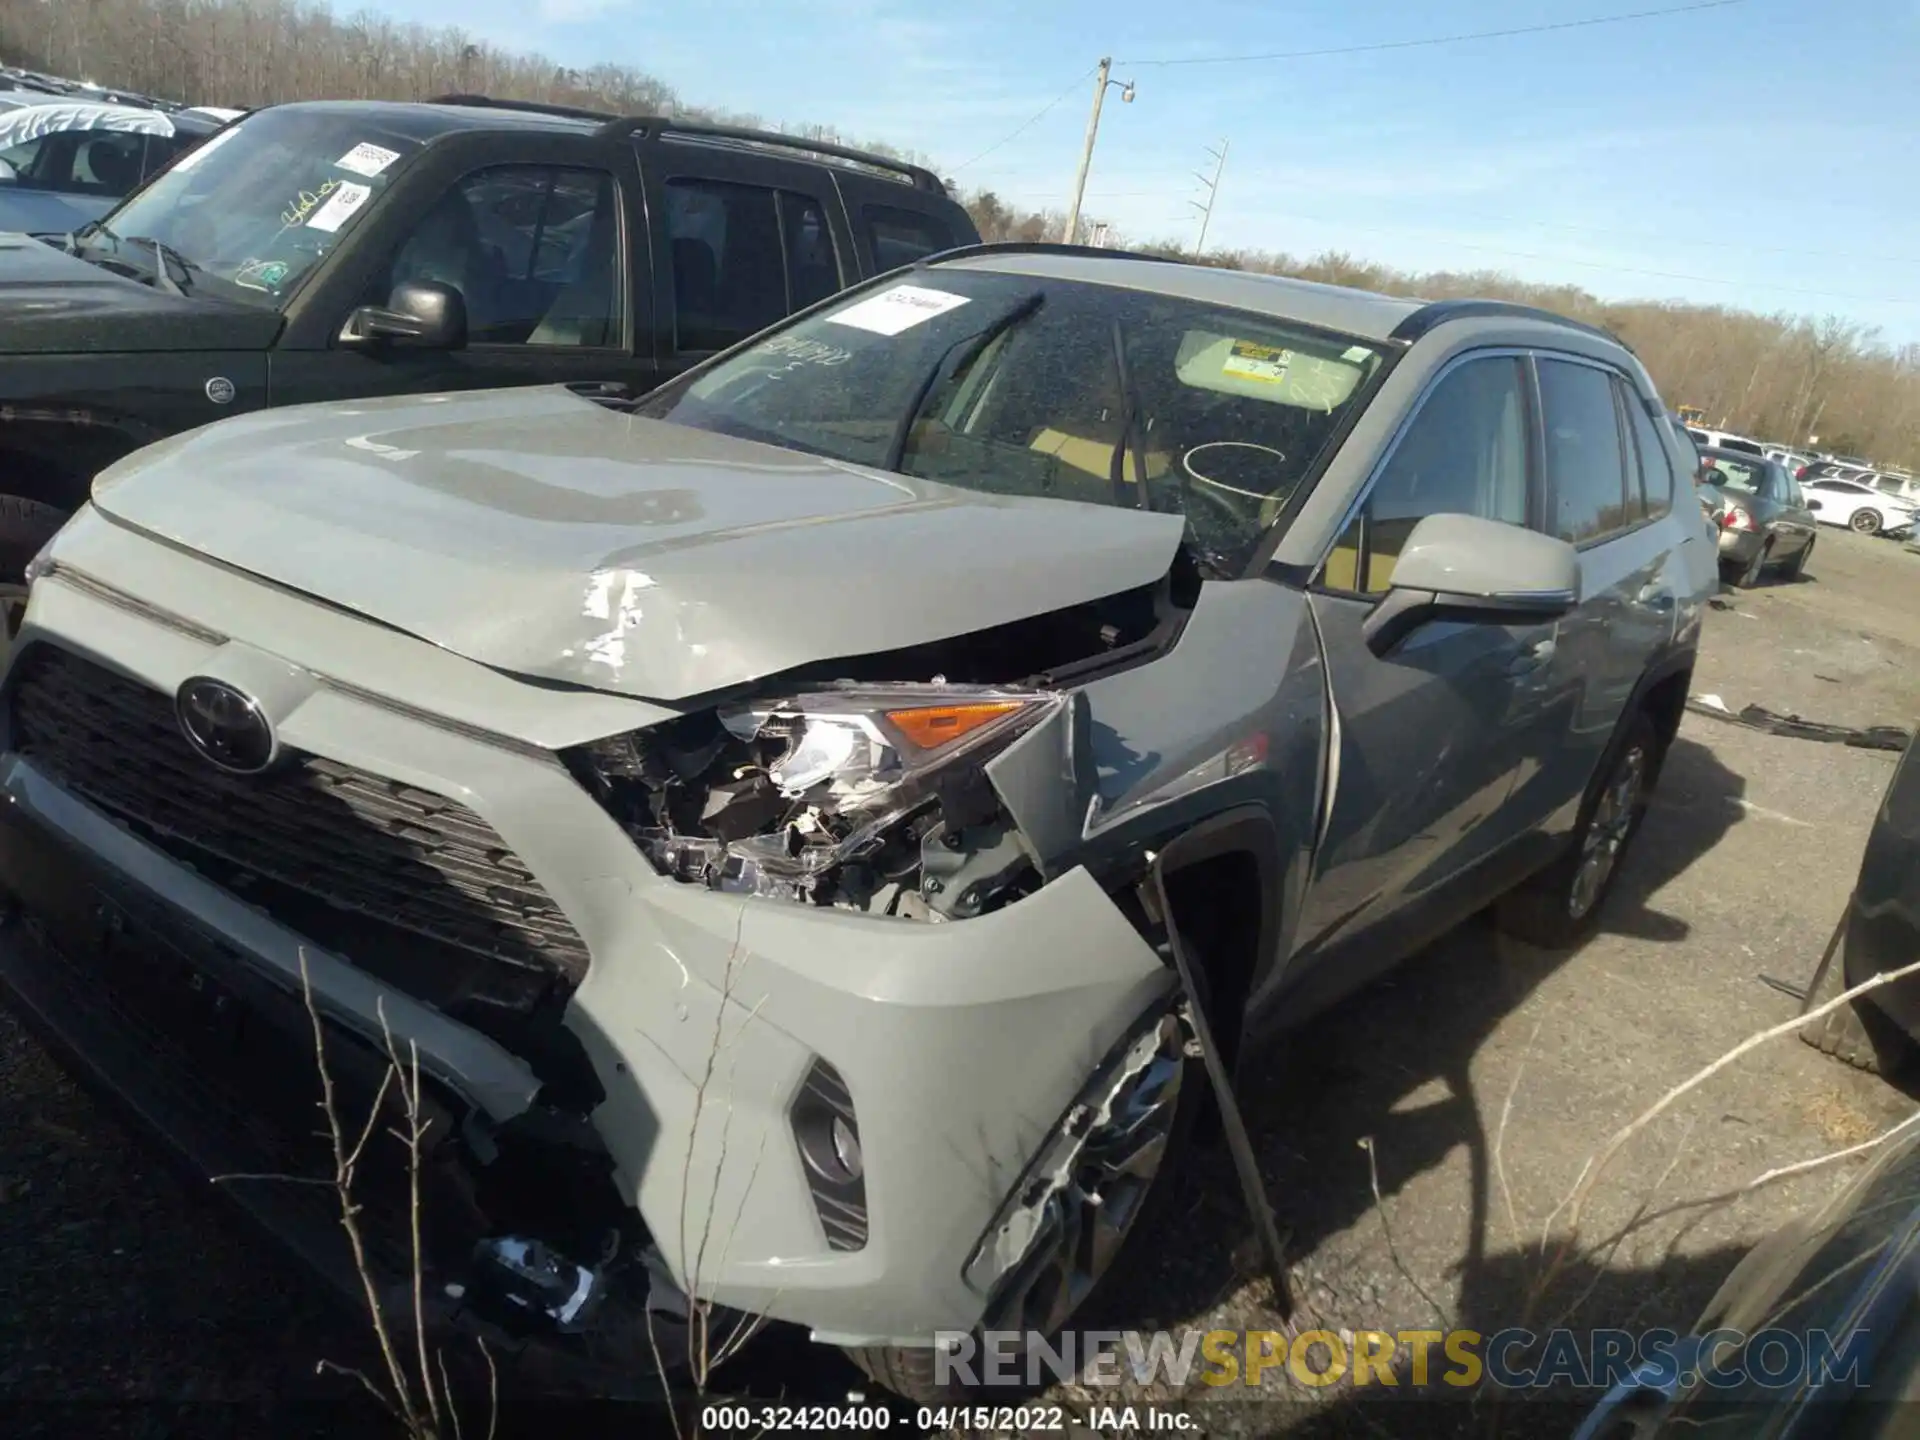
<point x="1438" y="312"/>
<point x="488" y="102"/>
<point x="654" y="127"/>
<point x="1043" y="247"/>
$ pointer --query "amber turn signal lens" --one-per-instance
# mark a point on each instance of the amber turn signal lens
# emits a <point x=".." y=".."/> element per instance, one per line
<point x="933" y="726"/>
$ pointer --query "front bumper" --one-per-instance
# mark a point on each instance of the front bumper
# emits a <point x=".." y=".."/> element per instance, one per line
<point x="960" y="1044"/>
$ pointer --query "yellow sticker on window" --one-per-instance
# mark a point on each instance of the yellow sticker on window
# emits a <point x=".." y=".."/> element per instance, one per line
<point x="1248" y="361"/>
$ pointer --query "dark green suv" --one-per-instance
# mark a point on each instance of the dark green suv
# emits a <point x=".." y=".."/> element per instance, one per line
<point x="349" y="248"/>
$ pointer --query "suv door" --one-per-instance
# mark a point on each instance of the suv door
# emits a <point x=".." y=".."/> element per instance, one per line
<point x="1601" y="501"/>
<point x="542" y="253"/>
<point x="743" y="240"/>
<point x="1429" y="740"/>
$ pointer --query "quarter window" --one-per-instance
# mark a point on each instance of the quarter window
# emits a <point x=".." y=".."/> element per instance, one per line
<point x="1585" y="467"/>
<point x="1465" y="453"/>
<point x="900" y="237"/>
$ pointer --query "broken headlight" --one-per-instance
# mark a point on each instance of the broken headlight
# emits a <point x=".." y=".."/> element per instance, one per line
<point x="826" y="797"/>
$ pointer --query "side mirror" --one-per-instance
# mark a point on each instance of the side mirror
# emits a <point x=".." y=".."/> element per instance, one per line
<point x="1463" y="567"/>
<point x="419" y="315"/>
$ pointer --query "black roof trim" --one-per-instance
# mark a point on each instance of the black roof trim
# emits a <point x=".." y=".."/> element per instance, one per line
<point x="1428" y="317"/>
<point x="1043" y="247"/>
<point x="614" y="126"/>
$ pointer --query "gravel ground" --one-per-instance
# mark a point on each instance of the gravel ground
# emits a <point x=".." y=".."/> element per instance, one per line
<point x="128" y="1298"/>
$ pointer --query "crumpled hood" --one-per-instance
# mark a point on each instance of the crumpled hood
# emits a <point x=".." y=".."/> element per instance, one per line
<point x="547" y="536"/>
<point x="53" y="303"/>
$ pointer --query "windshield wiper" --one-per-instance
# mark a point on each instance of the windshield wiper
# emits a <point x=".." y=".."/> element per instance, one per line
<point x="163" y="256"/>
<point x="1130" y="440"/>
<point x="956" y="357"/>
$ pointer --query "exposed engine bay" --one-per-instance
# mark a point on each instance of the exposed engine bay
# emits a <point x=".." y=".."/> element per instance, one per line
<point x="870" y="793"/>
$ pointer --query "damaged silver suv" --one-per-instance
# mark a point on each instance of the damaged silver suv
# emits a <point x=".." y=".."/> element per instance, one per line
<point x="753" y="802"/>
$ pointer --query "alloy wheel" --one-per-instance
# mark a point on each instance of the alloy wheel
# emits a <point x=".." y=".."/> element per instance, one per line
<point x="1089" y="1215"/>
<point x="1865" y="522"/>
<point x="1607" y="832"/>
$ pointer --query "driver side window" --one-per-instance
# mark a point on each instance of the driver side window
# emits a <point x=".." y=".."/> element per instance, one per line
<point x="1464" y="453"/>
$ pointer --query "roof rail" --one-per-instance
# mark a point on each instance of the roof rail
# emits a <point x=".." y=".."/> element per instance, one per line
<point x="653" y="127"/>
<point x="1438" y="312"/>
<point x="488" y="102"/>
<point x="1043" y="247"/>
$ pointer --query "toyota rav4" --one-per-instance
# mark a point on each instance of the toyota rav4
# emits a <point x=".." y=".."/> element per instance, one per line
<point x="772" y="809"/>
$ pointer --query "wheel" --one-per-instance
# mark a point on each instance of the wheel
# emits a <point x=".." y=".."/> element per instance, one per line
<point x="1864" y="522"/>
<point x="25" y="525"/>
<point x="1090" y="1231"/>
<point x="1859" y="1032"/>
<point x="1796" y="568"/>
<point x="1756" y="567"/>
<point x="1561" y="905"/>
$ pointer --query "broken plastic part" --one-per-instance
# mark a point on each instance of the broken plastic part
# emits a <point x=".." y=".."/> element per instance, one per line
<point x="526" y="1278"/>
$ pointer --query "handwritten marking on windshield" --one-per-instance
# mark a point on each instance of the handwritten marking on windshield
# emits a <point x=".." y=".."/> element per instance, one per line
<point x="306" y="202"/>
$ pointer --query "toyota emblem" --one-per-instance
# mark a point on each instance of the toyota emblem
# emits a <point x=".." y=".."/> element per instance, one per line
<point x="225" y="726"/>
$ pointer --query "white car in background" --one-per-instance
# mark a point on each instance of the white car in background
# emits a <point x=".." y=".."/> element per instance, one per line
<point x="1861" y="508"/>
<point x="64" y="162"/>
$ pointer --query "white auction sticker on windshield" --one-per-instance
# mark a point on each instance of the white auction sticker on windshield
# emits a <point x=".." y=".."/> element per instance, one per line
<point x="1249" y="361"/>
<point x="898" y="309"/>
<point x="368" y="160"/>
<point x="346" y="198"/>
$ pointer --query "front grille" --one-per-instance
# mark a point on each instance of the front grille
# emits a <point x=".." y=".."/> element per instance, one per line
<point x="407" y="883"/>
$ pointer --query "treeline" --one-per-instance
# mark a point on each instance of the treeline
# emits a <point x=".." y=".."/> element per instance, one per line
<point x="1782" y="377"/>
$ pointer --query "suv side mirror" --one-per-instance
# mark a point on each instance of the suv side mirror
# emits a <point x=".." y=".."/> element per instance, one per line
<point x="419" y="315"/>
<point x="1464" y="567"/>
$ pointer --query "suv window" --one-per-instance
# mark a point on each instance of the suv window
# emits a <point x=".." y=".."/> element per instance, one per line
<point x="901" y="237"/>
<point x="1464" y="453"/>
<point x="79" y="162"/>
<point x="1656" y="465"/>
<point x="533" y="249"/>
<point x="743" y="257"/>
<point x="1584" y="463"/>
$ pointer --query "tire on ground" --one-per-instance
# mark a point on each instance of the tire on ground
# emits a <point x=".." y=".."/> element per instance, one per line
<point x="1858" y="1033"/>
<point x="1537" y="911"/>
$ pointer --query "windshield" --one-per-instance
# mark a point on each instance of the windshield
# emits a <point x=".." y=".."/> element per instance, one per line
<point x="256" y="205"/>
<point x="1016" y="386"/>
<point x="1747" y="477"/>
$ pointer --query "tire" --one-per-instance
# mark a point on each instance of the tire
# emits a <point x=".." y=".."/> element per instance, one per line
<point x="25" y="526"/>
<point x="1864" y="522"/>
<point x="1561" y="905"/>
<point x="910" y="1371"/>
<point x="1796" y="568"/>
<point x="1858" y="1033"/>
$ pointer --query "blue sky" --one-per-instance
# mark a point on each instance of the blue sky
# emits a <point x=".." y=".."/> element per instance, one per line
<point x="1761" y="155"/>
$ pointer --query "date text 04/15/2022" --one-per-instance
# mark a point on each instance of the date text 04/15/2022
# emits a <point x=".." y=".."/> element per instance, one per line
<point x="756" y="1418"/>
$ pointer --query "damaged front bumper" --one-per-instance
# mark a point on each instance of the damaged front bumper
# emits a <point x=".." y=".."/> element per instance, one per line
<point x="728" y="1035"/>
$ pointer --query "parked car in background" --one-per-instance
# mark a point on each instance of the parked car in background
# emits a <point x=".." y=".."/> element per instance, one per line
<point x="1832" y="469"/>
<point x="1794" y="460"/>
<point x="1859" y="507"/>
<point x="64" y="163"/>
<point x="1763" y="520"/>
<point x="1724" y="440"/>
<point x="1898" y="484"/>
<point x="904" y="691"/>
<point x="354" y="248"/>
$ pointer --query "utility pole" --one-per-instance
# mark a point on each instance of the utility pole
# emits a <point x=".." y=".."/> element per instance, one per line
<point x="1213" y="194"/>
<point x="1102" y="79"/>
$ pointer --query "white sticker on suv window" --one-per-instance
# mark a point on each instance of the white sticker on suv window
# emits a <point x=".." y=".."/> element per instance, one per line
<point x="900" y="308"/>
<point x="341" y="204"/>
<point x="368" y="160"/>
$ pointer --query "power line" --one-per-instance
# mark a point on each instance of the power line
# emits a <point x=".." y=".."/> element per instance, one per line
<point x="1378" y="45"/>
<point x="1029" y="123"/>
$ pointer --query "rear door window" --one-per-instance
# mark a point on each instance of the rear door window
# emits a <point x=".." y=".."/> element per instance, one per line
<point x="743" y="257"/>
<point x="1586" y="470"/>
<point x="900" y="237"/>
<point x="1655" y="465"/>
